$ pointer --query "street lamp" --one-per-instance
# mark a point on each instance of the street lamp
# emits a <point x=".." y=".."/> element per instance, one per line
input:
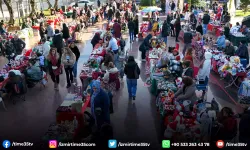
<point x="17" y="4"/>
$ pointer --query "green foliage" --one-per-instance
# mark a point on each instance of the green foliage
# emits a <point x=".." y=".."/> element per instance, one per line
<point x="244" y="5"/>
<point x="145" y="3"/>
<point x="195" y="2"/>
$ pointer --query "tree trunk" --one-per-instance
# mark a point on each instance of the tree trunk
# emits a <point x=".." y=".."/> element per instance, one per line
<point x="56" y="4"/>
<point x="50" y="5"/>
<point x="8" y="3"/>
<point x="1" y="8"/>
<point x="33" y="10"/>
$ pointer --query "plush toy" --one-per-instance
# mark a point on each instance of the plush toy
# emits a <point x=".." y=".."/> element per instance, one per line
<point x="178" y="82"/>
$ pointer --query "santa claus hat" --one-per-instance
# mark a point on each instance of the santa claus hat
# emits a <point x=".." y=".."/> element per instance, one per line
<point x="178" y="58"/>
<point x="173" y="125"/>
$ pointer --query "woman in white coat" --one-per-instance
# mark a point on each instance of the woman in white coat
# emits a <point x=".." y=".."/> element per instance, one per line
<point x="205" y="67"/>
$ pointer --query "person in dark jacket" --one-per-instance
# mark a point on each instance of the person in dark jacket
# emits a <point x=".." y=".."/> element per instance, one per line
<point x="118" y="15"/>
<point x="76" y="51"/>
<point x="86" y="7"/>
<point x="244" y="129"/>
<point x="188" y="36"/>
<point x="242" y="51"/>
<point x="9" y="50"/>
<point x="172" y="6"/>
<point x="145" y="46"/>
<point x="131" y="28"/>
<point x="199" y="28"/>
<point x="110" y="14"/>
<point x="132" y="72"/>
<point x="100" y="104"/>
<point x="65" y="32"/>
<point x="117" y="29"/>
<point x="98" y="3"/>
<point x="95" y="39"/>
<point x="74" y="15"/>
<point x="18" y="44"/>
<point x="177" y="26"/>
<point x="165" y="31"/>
<point x="205" y="19"/>
<point x="229" y="50"/>
<point x="58" y="42"/>
<point x="42" y="31"/>
<point x="136" y="22"/>
<point x="193" y="21"/>
<point x="187" y="70"/>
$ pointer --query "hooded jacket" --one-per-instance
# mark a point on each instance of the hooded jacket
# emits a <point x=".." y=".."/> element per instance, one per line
<point x="187" y="94"/>
<point x="129" y="70"/>
<point x="221" y="41"/>
<point x="205" y="70"/>
<point x="106" y="75"/>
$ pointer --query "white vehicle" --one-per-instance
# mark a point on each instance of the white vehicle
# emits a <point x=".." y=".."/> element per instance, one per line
<point x="81" y="3"/>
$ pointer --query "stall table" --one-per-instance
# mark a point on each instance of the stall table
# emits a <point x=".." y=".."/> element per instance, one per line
<point x="236" y="39"/>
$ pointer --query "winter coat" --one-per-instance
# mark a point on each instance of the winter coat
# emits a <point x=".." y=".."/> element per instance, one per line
<point x="188" y="36"/>
<point x="65" y="33"/>
<point x="68" y="63"/>
<point x="206" y="19"/>
<point x="205" y="70"/>
<point x="50" y="63"/>
<point x="19" y="45"/>
<point x="199" y="29"/>
<point x="136" y="30"/>
<point x="76" y="51"/>
<point x="165" y="29"/>
<point x="46" y="48"/>
<point x="106" y="75"/>
<point x="58" y="42"/>
<point x="42" y="32"/>
<point x="187" y="94"/>
<point x="242" y="52"/>
<point x="145" y="45"/>
<point x="50" y="31"/>
<point x="229" y="50"/>
<point x="131" y="26"/>
<point x="129" y="70"/>
<point x="9" y="48"/>
<point x="117" y="30"/>
<point x="221" y="41"/>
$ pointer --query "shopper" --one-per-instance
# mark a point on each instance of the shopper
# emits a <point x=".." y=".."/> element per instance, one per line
<point x="188" y="36"/>
<point x="19" y="44"/>
<point x="165" y="31"/>
<point x="117" y="29"/>
<point x="114" y="48"/>
<point x="187" y="92"/>
<point x="95" y="40"/>
<point x="42" y="31"/>
<point x="132" y="72"/>
<point x="54" y="65"/>
<point x="76" y="51"/>
<point x="206" y="20"/>
<point x="65" y="32"/>
<point x="136" y="22"/>
<point x="145" y="46"/>
<point x="68" y="60"/>
<point x="111" y="69"/>
<point x="49" y="31"/>
<point x="242" y="51"/>
<point x="100" y="104"/>
<point x="221" y="41"/>
<point x="131" y="28"/>
<point x="58" y="42"/>
<point x="205" y="67"/>
<point x="177" y="26"/>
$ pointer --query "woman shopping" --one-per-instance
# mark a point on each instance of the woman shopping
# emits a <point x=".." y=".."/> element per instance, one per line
<point x="76" y="51"/>
<point x="68" y="59"/>
<point x="132" y="71"/>
<point x="100" y="103"/>
<point x="145" y="46"/>
<point x="65" y="32"/>
<point x="54" y="65"/>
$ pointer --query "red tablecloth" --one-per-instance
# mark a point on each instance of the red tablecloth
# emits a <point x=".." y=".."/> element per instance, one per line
<point x="218" y="31"/>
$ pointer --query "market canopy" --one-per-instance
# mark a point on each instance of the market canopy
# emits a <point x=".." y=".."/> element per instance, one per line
<point x="151" y="9"/>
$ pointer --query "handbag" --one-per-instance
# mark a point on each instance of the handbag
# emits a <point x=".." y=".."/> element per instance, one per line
<point x="58" y="70"/>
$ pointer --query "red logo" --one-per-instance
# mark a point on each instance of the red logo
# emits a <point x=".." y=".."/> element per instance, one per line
<point x="220" y="144"/>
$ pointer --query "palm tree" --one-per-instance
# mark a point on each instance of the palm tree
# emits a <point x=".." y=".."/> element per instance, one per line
<point x="33" y="5"/>
<point x="50" y="5"/>
<point x="8" y="3"/>
<point x="1" y="8"/>
<point x="56" y="4"/>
